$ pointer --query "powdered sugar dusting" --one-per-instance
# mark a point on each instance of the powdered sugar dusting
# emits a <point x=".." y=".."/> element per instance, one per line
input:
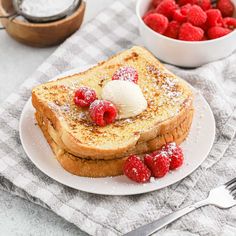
<point x="171" y="148"/>
<point x="65" y="108"/>
<point x="53" y="106"/>
<point x="169" y="86"/>
<point x="126" y="73"/>
<point x="96" y="103"/>
<point x="153" y="180"/>
<point x="128" y="121"/>
<point x="165" y="90"/>
<point x="153" y="70"/>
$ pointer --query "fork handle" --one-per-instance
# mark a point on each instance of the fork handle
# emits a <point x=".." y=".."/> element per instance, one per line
<point x="158" y="224"/>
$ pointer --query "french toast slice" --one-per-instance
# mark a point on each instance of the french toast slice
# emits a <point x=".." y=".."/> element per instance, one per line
<point x="169" y="99"/>
<point x="140" y="148"/>
<point x="111" y="167"/>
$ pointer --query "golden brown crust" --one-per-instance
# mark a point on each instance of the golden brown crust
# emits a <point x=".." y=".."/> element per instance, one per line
<point x="97" y="168"/>
<point x="79" y="166"/>
<point x="117" y="149"/>
<point x="140" y="148"/>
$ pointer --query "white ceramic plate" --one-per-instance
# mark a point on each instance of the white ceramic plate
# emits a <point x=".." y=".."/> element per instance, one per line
<point x="196" y="148"/>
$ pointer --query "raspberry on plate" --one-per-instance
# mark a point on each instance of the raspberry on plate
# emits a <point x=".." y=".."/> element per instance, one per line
<point x="126" y="73"/>
<point x="197" y="16"/>
<point x="84" y="96"/>
<point x="102" y="112"/>
<point x="214" y="18"/>
<point x="229" y="23"/>
<point x="226" y="7"/>
<point x="156" y="22"/>
<point x="135" y="169"/>
<point x="167" y="8"/>
<point x="175" y="154"/>
<point x="188" y="32"/>
<point x="172" y="30"/>
<point x="217" y="32"/>
<point x="159" y="164"/>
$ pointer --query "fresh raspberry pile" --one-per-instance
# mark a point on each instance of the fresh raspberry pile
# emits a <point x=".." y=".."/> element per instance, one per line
<point x="191" y="20"/>
<point x="156" y="164"/>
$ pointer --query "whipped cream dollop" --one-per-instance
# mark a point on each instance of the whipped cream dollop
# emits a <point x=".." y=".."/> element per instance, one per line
<point x="126" y="96"/>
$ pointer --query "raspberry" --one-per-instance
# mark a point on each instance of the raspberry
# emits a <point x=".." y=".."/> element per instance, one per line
<point x="84" y="96"/>
<point x="204" y="4"/>
<point x="214" y="18"/>
<point x="157" y="22"/>
<point x="158" y="164"/>
<point x="102" y="112"/>
<point x="184" y="2"/>
<point x="172" y="30"/>
<point x="185" y="9"/>
<point x="155" y="3"/>
<point x="204" y="26"/>
<point x="188" y="32"/>
<point x="229" y="23"/>
<point x="135" y="169"/>
<point x="197" y="16"/>
<point x="217" y="32"/>
<point x="167" y="8"/>
<point x="179" y="17"/>
<point x="175" y="154"/>
<point x="148" y="13"/>
<point x="226" y="7"/>
<point x="126" y="73"/>
<point x="148" y="159"/>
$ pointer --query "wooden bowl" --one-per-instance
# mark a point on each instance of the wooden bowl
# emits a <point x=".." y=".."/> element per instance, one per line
<point x="40" y="35"/>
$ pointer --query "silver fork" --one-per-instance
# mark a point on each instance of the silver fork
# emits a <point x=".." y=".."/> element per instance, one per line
<point x="223" y="197"/>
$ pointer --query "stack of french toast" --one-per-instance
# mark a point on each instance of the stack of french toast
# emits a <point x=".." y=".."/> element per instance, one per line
<point x="85" y="148"/>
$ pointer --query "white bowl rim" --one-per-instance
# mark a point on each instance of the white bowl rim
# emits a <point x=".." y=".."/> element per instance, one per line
<point x="177" y="40"/>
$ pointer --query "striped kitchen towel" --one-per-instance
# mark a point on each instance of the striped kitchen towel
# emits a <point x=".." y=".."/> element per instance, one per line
<point x="113" y="30"/>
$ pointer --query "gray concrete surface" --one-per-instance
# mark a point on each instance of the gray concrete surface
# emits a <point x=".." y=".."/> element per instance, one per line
<point x="20" y="217"/>
<point x="17" y="62"/>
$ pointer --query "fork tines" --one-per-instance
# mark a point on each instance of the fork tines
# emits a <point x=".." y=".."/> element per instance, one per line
<point x="231" y="186"/>
<point x="230" y="182"/>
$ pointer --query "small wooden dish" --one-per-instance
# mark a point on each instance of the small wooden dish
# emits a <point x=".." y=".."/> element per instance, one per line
<point x="40" y="35"/>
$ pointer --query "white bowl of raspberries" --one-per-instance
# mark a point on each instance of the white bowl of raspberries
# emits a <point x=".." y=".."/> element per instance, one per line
<point x="188" y="33"/>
